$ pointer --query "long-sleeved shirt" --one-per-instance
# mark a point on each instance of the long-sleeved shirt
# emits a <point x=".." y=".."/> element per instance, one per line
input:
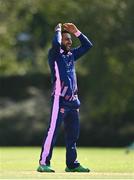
<point x="62" y="66"/>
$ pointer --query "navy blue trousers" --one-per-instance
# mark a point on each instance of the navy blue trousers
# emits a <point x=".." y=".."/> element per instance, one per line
<point x="68" y="113"/>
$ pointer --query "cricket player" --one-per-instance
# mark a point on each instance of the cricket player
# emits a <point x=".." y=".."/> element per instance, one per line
<point x="65" y="102"/>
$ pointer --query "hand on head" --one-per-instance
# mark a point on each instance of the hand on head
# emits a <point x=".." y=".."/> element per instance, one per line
<point x="70" y="27"/>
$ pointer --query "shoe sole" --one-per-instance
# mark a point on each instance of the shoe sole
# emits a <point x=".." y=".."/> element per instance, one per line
<point x="47" y="171"/>
<point x="67" y="170"/>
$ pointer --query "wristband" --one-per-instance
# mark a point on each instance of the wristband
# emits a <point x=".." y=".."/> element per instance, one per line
<point x="77" y="34"/>
<point x="58" y="29"/>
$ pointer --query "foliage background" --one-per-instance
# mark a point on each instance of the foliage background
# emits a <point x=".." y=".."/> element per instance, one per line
<point x="105" y="74"/>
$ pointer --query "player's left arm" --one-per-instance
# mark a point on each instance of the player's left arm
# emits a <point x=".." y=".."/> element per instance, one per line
<point x="86" y="44"/>
<point x="83" y="48"/>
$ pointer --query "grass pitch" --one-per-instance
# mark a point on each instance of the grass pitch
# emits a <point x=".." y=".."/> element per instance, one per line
<point x="105" y="163"/>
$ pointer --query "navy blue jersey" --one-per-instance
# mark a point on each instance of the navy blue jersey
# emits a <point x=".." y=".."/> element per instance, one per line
<point x="62" y="65"/>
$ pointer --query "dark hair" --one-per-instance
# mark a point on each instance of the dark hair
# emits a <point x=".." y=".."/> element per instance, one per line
<point x="64" y="31"/>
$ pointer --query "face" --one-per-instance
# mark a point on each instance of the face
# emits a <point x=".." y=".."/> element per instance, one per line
<point x="67" y="41"/>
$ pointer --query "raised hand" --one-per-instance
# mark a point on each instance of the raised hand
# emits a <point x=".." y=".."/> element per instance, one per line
<point x="58" y="27"/>
<point x="70" y="27"/>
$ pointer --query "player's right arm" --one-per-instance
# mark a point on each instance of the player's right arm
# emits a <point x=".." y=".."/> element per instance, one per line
<point x="56" y="43"/>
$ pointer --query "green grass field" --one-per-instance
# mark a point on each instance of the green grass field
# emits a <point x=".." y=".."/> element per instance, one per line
<point x="105" y="163"/>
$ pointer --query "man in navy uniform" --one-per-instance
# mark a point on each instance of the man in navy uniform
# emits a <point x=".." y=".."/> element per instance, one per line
<point x="65" y="102"/>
